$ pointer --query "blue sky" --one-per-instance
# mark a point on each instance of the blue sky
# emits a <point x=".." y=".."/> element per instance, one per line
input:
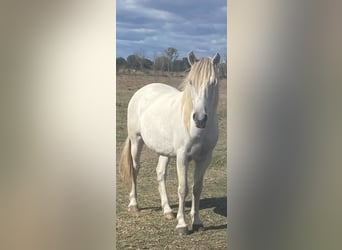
<point x="154" y="25"/>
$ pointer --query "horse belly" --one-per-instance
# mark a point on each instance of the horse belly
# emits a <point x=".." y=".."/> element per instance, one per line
<point x="159" y="132"/>
<point x="158" y="140"/>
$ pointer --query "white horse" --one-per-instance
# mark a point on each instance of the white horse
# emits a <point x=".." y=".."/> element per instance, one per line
<point x="175" y="123"/>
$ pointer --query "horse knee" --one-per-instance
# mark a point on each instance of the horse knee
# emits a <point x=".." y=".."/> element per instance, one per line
<point x="197" y="188"/>
<point x="183" y="191"/>
<point x="161" y="168"/>
<point x="136" y="169"/>
<point x="160" y="174"/>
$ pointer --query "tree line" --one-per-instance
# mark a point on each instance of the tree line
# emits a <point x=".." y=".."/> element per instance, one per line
<point x="166" y="61"/>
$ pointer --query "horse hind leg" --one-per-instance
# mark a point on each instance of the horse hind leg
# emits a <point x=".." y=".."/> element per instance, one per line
<point x="136" y="147"/>
<point x="161" y="177"/>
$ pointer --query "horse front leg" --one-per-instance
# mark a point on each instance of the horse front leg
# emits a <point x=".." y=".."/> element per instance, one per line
<point x="182" y="169"/>
<point x="200" y="168"/>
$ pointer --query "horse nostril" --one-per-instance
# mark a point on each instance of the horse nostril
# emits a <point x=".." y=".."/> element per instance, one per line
<point x="196" y="118"/>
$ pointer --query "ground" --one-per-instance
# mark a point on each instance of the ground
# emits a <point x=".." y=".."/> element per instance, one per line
<point x="149" y="229"/>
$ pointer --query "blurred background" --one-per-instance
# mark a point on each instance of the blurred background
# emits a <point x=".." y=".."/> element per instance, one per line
<point x="284" y="139"/>
<point x="58" y="124"/>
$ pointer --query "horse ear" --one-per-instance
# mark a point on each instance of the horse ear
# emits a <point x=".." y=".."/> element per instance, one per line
<point x="216" y="59"/>
<point x="192" y="58"/>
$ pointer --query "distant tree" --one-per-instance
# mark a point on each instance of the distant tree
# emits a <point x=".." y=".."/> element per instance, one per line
<point x="155" y="55"/>
<point x="223" y="70"/>
<point x="172" y="55"/>
<point x="120" y="62"/>
<point x="133" y="62"/>
<point x="186" y="63"/>
<point x="180" y="65"/>
<point x="147" y="64"/>
<point x="140" y="56"/>
<point x="161" y="62"/>
<point x="223" y="67"/>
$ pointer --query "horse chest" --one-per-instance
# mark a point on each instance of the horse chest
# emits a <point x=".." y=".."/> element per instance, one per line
<point x="200" y="147"/>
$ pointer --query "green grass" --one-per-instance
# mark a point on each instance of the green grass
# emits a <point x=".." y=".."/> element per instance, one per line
<point x="149" y="229"/>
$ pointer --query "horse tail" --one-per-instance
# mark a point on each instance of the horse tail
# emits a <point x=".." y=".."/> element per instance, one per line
<point x="126" y="163"/>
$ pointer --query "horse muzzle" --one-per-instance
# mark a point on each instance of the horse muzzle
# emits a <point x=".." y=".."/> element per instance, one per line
<point x="200" y="122"/>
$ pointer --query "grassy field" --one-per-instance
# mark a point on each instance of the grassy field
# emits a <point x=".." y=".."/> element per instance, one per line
<point x="149" y="229"/>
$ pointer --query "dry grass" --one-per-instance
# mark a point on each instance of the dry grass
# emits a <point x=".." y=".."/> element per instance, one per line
<point x="149" y="229"/>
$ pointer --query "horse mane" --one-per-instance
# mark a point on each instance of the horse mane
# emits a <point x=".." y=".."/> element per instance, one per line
<point x="202" y="72"/>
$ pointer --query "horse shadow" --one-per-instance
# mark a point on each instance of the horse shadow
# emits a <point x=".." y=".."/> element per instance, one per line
<point x="219" y="206"/>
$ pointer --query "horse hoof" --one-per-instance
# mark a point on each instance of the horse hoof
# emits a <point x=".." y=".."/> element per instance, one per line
<point x="182" y="231"/>
<point x="197" y="227"/>
<point x="169" y="216"/>
<point x="133" y="209"/>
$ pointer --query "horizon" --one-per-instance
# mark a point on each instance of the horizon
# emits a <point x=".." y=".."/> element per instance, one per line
<point x="223" y="59"/>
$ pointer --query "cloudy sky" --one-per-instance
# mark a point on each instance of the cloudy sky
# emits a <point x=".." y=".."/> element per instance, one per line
<point x="154" y="25"/>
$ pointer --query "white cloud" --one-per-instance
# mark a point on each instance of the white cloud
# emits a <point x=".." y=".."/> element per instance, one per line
<point x="142" y="30"/>
<point x="125" y="30"/>
<point x="138" y="9"/>
<point x="125" y="41"/>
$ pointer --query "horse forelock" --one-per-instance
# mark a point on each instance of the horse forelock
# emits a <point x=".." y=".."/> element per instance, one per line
<point x="202" y="73"/>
